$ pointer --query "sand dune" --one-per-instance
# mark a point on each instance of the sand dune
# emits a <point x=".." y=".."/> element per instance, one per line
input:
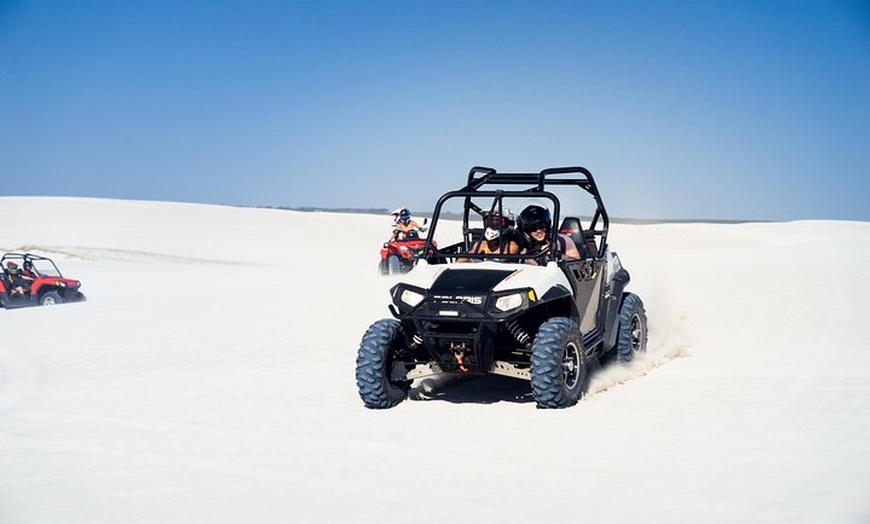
<point x="210" y="378"/>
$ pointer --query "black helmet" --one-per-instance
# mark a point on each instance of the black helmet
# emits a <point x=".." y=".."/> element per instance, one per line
<point x="534" y="217"/>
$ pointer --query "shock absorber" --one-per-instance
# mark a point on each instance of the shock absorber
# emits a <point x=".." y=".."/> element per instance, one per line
<point x="517" y="331"/>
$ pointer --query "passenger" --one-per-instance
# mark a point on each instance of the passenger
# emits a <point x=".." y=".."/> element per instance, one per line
<point x="497" y="238"/>
<point x="535" y="223"/>
<point x="395" y="214"/>
<point x="19" y="285"/>
<point x="404" y="225"/>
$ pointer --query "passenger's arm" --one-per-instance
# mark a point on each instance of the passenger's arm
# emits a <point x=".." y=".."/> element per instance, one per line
<point x="474" y="249"/>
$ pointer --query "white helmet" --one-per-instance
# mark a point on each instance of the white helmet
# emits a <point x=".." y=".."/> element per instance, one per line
<point x="494" y="226"/>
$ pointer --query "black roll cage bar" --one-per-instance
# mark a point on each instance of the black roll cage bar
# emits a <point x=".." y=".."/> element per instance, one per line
<point x="479" y="177"/>
<point x="26" y="257"/>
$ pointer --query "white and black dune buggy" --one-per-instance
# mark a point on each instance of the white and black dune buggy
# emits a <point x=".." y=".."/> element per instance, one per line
<point x="468" y="313"/>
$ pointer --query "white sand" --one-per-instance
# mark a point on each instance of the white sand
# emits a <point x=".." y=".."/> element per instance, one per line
<point x="210" y="378"/>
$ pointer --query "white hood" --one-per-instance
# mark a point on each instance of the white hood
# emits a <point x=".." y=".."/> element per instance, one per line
<point x="539" y="278"/>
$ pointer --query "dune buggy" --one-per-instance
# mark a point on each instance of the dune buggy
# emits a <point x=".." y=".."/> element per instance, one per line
<point x="464" y="312"/>
<point x="41" y="282"/>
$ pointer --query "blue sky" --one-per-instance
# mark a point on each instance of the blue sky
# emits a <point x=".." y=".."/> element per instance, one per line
<point x="682" y="109"/>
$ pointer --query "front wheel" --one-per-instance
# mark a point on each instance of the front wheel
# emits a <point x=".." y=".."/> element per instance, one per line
<point x="394" y="265"/>
<point x="51" y="298"/>
<point x="374" y="363"/>
<point x="632" y="335"/>
<point x="558" y="364"/>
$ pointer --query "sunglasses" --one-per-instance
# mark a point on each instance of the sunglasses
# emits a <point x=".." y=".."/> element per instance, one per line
<point x="539" y="226"/>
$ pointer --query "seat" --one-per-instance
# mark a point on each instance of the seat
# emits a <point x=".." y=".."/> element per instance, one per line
<point x="584" y="240"/>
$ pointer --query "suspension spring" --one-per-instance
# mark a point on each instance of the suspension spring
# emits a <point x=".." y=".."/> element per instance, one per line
<point x="518" y="332"/>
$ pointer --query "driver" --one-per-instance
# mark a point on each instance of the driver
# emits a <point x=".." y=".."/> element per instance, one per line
<point x="404" y="225"/>
<point x="535" y="223"/>
<point x="28" y="271"/>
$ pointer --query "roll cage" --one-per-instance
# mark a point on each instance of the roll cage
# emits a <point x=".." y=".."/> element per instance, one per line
<point x="485" y="182"/>
<point x="44" y="266"/>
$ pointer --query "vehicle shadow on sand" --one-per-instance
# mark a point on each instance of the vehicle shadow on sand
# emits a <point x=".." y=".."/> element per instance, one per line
<point x="488" y="389"/>
<point x="459" y="389"/>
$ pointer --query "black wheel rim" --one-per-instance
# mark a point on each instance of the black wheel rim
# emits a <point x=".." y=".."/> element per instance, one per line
<point x="636" y="334"/>
<point x="571" y="366"/>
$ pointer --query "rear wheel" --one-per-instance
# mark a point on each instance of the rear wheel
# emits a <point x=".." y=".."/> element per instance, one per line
<point x="558" y="364"/>
<point x="51" y="298"/>
<point x="374" y="364"/>
<point x="632" y="336"/>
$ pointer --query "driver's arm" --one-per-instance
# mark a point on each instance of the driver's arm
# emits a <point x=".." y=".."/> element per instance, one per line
<point x="571" y="251"/>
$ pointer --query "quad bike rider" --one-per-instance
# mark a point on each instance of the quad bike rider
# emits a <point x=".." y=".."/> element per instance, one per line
<point x="462" y="311"/>
<point x="403" y="249"/>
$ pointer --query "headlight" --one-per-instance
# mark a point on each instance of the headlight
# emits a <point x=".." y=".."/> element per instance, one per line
<point x="412" y="298"/>
<point x="509" y="302"/>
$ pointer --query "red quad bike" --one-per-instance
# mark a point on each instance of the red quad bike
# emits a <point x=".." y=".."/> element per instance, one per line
<point x="48" y="287"/>
<point x="400" y="256"/>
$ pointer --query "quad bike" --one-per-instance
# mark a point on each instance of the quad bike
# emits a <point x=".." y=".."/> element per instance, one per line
<point x="462" y="312"/>
<point x="46" y="285"/>
<point x="400" y="256"/>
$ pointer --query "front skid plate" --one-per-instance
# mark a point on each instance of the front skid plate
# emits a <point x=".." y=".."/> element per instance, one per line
<point x="400" y="373"/>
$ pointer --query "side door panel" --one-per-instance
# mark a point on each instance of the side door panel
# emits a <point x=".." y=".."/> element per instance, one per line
<point x="586" y="277"/>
